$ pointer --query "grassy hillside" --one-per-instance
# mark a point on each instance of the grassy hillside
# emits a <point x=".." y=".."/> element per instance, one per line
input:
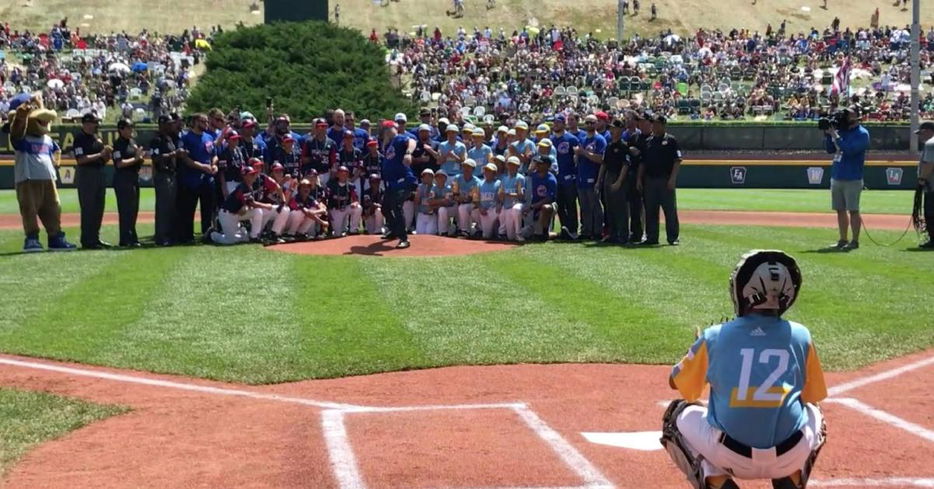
<point x="586" y="15"/>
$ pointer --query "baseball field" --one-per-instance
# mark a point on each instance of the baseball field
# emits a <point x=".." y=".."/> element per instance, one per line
<point x="195" y="365"/>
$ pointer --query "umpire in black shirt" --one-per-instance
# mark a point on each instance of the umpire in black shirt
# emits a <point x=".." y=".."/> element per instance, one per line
<point x="128" y="159"/>
<point x="658" y="175"/>
<point x="613" y="173"/>
<point x="164" y="151"/>
<point x="91" y="155"/>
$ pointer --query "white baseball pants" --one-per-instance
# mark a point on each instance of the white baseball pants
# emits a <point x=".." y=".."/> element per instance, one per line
<point x="488" y="222"/>
<point x="301" y="224"/>
<point x="340" y="217"/>
<point x="702" y="438"/>
<point x="375" y="223"/>
<point x="231" y="230"/>
<point x="279" y="219"/>
<point x="466" y="216"/>
<point x="511" y="220"/>
<point x="426" y="223"/>
<point x="444" y="219"/>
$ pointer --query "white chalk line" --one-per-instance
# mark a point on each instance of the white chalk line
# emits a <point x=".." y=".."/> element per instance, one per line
<point x="131" y="379"/>
<point x="888" y="374"/>
<point x="888" y="481"/>
<point x="343" y="460"/>
<point x="885" y="417"/>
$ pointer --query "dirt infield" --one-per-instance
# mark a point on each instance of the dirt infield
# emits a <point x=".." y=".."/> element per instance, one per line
<point x="523" y="426"/>
<point x="370" y="245"/>
<point x="893" y="222"/>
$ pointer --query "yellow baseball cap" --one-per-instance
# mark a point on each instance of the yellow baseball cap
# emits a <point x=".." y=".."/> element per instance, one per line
<point x="544" y="143"/>
<point x="491" y="166"/>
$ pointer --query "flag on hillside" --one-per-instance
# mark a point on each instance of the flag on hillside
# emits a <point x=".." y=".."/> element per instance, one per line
<point x="841" y="81"/>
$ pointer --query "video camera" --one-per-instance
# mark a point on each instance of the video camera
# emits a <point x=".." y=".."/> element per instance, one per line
<point x="839" y="120"/>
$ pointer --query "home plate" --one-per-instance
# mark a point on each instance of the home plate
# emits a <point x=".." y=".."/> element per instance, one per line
<point x="635" y="440"/>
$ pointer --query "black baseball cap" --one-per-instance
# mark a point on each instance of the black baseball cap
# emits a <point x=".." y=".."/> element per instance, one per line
<point x="617" y="124"/>
<point x="660" y="119"/>
<point x="164" y="119"/>
<point x="90" y="117"/>
<point x="124" y="123"/>
<point x="926" y="126"/>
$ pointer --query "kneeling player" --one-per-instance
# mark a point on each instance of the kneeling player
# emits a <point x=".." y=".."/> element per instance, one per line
<point x="544" y="187"/>
<point x="765" y="379"/>
<point x="307" y="215"/>
<point x="240" y="206"/>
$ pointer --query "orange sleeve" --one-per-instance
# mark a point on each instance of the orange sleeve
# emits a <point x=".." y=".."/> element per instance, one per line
<point x="815" y="390"/>
<point x="689" y="376"/>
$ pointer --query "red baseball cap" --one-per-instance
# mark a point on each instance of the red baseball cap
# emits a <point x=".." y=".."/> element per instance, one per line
<point x="603" y="116"/>
<point x="256" y="162"/>
<point x="247" y="170"/>
<point x="320" y="123"/>
<point x="388" y="124"/>
<point x="248" y="123"/>
<point x="233" y="135"/>
<point x="288" y="139"/>
<point x="277" y="166"/>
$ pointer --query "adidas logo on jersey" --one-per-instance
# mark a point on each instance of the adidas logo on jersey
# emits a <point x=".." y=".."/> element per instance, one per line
<point x="757" y="332"/>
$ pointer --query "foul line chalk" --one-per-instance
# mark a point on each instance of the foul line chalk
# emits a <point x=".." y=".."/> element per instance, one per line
<point x="176" y="385"/>
<point x="888" y="374"/>
<point x="343" y="461"/>
<point x="890" y="481"/>
<point x="885" y="417"/>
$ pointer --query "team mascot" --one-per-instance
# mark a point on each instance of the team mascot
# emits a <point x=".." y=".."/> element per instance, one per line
<point x="36" y="157"/>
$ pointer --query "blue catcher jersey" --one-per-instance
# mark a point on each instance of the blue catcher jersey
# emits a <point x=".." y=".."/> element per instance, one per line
<point x="761" y="369"/>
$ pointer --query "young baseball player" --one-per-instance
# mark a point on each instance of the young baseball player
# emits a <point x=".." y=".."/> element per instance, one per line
<point x="372" y="208"/>
<point x="307" y="215"/>
<point x="344" y="204"/>
<point x="464" y="189"/>
<point x="274" y="206"/>
<point x="512" y="193"/>
<point x="443" y="202"/>
<point x="762" y="420"/>
<point x="543" y="187"/>
<point x="490" y="205"/>
<point x="239" y="206"/>
<point x="427" y="220"/>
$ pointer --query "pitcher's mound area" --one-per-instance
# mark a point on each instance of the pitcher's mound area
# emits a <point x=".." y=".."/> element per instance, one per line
<point x="373" y="245"/>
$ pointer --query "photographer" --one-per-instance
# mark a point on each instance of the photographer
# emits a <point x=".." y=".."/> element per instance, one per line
<point x="847" y="140"/>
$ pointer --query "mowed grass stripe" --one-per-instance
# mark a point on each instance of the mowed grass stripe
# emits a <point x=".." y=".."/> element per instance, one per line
<point x="82" y="321"/>
<point x="220" y="314"/>
<point x="346" y="327"/>
<point x="620" y="322"/>
<point x="463" y="312"/>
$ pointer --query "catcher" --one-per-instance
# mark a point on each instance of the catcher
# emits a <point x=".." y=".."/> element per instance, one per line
<point x="762" y="420"/>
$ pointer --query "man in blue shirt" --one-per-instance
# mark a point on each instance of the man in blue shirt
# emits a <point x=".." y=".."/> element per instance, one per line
<point x="397" y="175"/>
<point x="196" y="185"/>
<point x="848" y="144"/>
<point x="589" y="159"/>
<point x="566" y="145"/>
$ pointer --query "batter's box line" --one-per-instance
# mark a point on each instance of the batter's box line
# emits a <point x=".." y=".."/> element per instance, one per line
<point x="885" y="417"/>
<point x="347" y="470"/>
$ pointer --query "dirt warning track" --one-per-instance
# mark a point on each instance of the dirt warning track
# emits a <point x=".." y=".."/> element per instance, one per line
<point x="523" y="426"/>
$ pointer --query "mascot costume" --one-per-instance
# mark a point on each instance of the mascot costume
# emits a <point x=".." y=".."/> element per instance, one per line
<point x="35" y="172"/>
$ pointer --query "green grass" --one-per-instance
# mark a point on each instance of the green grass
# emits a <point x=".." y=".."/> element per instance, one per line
<point x="248" y="314"/>
<point x="798" y="200"/>
<point x="30" y="418"/>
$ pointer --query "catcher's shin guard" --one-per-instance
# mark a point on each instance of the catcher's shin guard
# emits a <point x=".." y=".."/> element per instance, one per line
<point x="676" y="447"/>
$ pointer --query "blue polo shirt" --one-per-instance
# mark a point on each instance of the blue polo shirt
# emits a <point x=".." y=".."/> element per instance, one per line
<point x="395" y="174"/>
<point x="201" y="149"/>
<point x="587" y="170"/>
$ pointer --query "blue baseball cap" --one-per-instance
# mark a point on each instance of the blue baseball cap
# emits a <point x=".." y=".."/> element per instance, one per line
<point x="560" y="118"/>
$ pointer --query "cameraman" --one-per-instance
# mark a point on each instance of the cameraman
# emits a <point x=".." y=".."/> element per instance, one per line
<point x="847" y="140"/>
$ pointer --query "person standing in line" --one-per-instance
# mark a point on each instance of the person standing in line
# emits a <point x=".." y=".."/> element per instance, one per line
<point x="635" y="138"/>
<point x="590" y="158"/>
<point x="165" y="156"/>
<point x="613" y="173"/>
<point x="196" y="186"/>
<point x="566" y="145"/>
<point x="658" y="177"/>
<point x="91" y="155"/>
<point x="128" y="159"/>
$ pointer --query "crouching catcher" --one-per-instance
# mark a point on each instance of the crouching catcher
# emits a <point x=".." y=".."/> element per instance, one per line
<point x="762" y="420"/>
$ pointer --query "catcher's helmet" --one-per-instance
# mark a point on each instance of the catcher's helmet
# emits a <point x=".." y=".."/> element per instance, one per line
<point x="765" y="279"/>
